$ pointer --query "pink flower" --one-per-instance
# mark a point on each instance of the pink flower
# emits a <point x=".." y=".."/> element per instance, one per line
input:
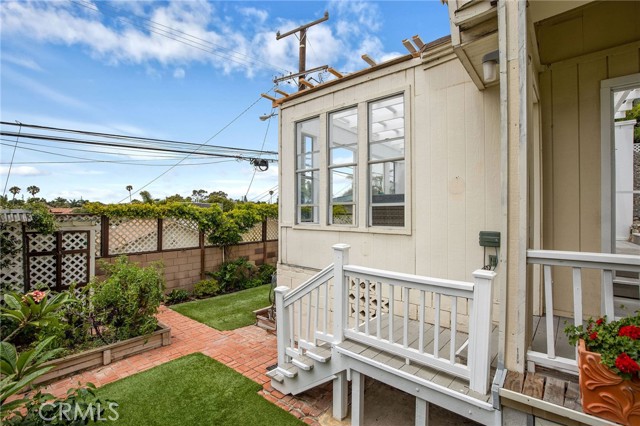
<point x="35" y="295"/>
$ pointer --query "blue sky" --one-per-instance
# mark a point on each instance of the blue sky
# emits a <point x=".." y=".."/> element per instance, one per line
<point x="66" y="65"/>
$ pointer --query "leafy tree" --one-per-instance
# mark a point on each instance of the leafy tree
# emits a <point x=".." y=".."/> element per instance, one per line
<point x="59" y="202"/>
<point x="221" y="198"/>
<point x="33" y="190"/>
<point x="146" y="197"/>
<point x="198" y="195"/>
<point x="177" y="198"/>
<point x="15" y="190"/>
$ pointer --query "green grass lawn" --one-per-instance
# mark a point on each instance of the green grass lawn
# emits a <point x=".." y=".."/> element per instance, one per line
<point x="192" y="390"/>
<point x="229" y="311"/>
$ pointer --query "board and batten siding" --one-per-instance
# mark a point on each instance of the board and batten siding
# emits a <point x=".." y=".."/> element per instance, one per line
<point x="570" y="100"/>
<point x="453" y="176"/>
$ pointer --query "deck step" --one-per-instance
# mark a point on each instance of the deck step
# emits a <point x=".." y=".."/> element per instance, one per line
<point x="319" y="354"/>
<point x="303" y="362"/>
<point x="277" y="377"/>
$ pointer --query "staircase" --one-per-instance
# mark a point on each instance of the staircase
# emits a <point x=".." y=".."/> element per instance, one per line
<point x="348" y="322"/>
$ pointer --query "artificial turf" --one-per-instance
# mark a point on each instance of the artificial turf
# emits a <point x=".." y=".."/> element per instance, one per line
<point x="191" y="391"/>
<point x="229" y="311"/>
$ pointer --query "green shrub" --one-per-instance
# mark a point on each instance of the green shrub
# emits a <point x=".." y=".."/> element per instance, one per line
<point x="206" y="288"/>
<point x="235" y="275"/>
<point x="265" y="272"/>
<point x="126" y="302"/>
<point x="176" y="296"/>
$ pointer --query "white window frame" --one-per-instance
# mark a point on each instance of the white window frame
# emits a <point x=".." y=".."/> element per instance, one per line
<point x="333" y="166"/>
<point x="301" y="171"/>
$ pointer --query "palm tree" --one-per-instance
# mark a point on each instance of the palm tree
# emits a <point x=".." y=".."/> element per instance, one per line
<point x="33" y="190"/>
<point x="15" y="190"/>
<point x="129" y="188"/>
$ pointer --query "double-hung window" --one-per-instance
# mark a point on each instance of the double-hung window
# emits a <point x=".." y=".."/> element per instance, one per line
<point x="386" y="162"/>
<point x="307" y="170"/>
<point x="343" y="156"/>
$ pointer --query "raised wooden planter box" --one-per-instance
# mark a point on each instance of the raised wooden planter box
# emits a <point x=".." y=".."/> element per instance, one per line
<point x="265" y="320"/>
<point x="105" y="355"/>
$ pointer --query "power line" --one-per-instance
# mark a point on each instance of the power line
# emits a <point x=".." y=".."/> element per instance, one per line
<point x="129" y="138"/>
<point x="202" y="145"/>
<point x="6" y="182"/>
<point x="170" y="34"/>
<point x="88" y="160"/>
<point x="261" y="148"/>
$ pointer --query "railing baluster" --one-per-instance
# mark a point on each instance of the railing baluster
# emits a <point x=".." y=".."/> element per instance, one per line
<point x="421" y="318"/>
<point x="405" y="334"/>
<point x="548" y="297"/>
<point x="366" y="307"/>
<point x="325" y="315"/>
<point x="309" y="339"/>
<point x="454" y="328"/>
<point x="436" y="327"/>
<point x="607" y="294"/>
<point x="391" y="304"/>
<point x="299" y="302"/>
<point x="379" y="309"/>
<point x="357" y="313"/>
<point x="577" y="296"/>
<point x="315" y="315"/>
<point x="292" y="337"/>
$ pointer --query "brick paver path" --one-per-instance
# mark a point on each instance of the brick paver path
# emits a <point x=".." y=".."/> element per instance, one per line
<point x="247" y="350"/>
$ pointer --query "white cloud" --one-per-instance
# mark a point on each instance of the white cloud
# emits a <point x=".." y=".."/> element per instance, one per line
<point x="179" y="73"/>
<point x="241" y="42"/>
<point x="22" y="171"/>
<point x="22" y="62"/>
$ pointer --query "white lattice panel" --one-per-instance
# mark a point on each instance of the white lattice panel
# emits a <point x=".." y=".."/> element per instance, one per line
<point x="41" y="242"/>
<point x="89" y="219"/>
<point x="272" y="229"/>
<point x="12" y="277"/>
<point x="636" y="147"/>
<point x="254" y="234"/>
<point x="42" y="271"/>
<point x="179" y="233"/>
<point x="362" y="304"/>
<point x="74" y="267"/>
<point x="75" y="240"/>
<point x="132" y="235"/>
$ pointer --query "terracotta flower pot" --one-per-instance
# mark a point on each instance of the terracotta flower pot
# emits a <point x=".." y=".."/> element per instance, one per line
<point x="604" y="393"/>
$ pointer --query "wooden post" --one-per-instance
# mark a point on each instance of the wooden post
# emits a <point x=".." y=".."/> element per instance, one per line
<point x="104" y="236"/>
<point x="160" y="221"/>
<point x="357" y="398"/>
<point x="202" y="253"/>
<point x="340" y="258"/>
<point x="264" y="241"/>
<point x="282" y="324"/>
<point x="340" y="395"/>
<point x="480" y="331"/>
<point x="422" y="412"/>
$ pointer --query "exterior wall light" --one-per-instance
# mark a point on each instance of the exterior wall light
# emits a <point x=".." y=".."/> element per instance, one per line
<point x="490" y="63"/>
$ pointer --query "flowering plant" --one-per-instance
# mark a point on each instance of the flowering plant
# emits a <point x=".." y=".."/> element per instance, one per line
<point x="617" y="342"/>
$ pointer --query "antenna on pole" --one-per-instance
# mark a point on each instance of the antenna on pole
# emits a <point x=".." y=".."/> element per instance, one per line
<point x="303" y="48"/>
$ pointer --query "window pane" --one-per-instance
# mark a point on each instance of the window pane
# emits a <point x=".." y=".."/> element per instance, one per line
<point x="308" y="214"/>
<point x="387" y="182"/>
<point x="342" y="184"/>
<point x="387" y="215"/>
<point x="343" y="137"/>
<point x="308" y="188"/>
<point x="386" y="119"/>
<point x="388" y="149"/>
<point x="307" y="133"/>
<point x="342" y="215"/>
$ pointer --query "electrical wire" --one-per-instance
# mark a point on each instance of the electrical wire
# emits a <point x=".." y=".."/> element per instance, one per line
<point x="202" y="145"/>
<point x="88" y="160"/>
<point x="6" y="182"/>
<point x="261" y="148"/>
<point x="170" y="34"/>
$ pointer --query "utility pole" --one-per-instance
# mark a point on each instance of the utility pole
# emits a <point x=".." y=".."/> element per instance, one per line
<point x="302" y="62"/>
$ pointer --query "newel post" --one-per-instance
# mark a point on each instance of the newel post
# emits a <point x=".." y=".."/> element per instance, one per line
<point x="340" y="258"/>
<point x="480" y="331"/>
<point x="282" y="325"/>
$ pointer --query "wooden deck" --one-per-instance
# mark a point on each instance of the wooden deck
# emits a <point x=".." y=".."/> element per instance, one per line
<point x="415" y="368"/>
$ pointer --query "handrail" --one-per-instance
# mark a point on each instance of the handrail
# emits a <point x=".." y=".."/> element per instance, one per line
<point x="309" y="285"/>
<point x="585" y="260"/>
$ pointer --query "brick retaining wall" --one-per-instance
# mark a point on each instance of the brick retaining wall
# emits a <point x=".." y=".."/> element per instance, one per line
<point x="182" y="268"/>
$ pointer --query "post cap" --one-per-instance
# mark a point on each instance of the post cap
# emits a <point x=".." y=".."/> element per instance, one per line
<point x="484" y="274"/>
<point x="282" y="289"/>
<point x="341" y="246"/>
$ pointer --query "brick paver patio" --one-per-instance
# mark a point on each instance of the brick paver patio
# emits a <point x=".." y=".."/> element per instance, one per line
<point x="247" y="350"/>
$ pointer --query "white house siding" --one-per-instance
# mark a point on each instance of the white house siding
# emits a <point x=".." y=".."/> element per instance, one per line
<point x="580" y="49"/>
<point x="453" y="188"/>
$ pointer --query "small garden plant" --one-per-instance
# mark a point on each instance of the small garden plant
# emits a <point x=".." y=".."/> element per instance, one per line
<point x="617" y="342"/>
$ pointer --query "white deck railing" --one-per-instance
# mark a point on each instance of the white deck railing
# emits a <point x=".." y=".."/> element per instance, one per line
<point x="577" y="261"/>
<point x="391" y="328"/>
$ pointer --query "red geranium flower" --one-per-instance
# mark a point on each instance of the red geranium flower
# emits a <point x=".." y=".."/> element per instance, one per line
<point x="600" y="321"/>
<point x="593" y="336"/>
<point x="631" y="331"/>
<point x="626" y="364"/>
